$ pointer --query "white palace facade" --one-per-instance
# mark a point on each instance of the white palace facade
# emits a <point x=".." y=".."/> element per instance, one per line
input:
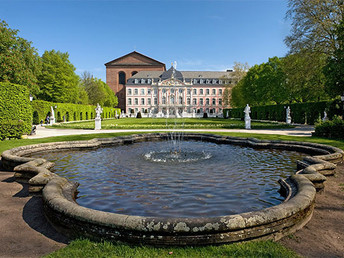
<point x="175" y="93"/>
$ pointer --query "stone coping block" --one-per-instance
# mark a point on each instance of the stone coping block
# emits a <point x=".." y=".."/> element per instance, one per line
<point x="270" y="223"/>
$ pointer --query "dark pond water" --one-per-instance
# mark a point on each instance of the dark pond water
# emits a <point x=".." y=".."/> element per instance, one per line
<point x="226" y="179"/>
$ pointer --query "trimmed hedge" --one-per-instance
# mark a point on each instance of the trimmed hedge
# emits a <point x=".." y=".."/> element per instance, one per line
<point x="65" y="112"/>
<point x="15" y="110"/>
<point x="330" y="129"/>
<point x="301" y="113"/>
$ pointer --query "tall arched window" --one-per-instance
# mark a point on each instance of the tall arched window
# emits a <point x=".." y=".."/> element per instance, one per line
<point x="121" y="78"/>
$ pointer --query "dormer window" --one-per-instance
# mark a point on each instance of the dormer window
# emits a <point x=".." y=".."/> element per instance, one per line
<point x="136" y="81"/>
<point x="143" y="81"/>
<point x="149" y="81"/>
<point x="195" y="81"/>
<point x="220" y="82"/>
<point x="208" y="81"/>
<point x="201" y="81"/>
<point x="214" y="81"/>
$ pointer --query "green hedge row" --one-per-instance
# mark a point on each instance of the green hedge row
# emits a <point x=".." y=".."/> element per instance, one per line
<point x="301" y="113"/>
<point x="330" y="129"/>
<point x="15" y="110"/>
<point x="65" y="112"/>
<point x="11" y="129"/>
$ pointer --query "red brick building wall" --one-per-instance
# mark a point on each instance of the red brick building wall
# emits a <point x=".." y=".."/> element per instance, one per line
<point x="128" y="65"/>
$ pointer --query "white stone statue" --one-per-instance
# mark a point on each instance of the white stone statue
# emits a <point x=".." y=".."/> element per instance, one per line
<point x="227" y="114"/>
<point x="52" y="116"/>
<point x="288" y="116"/>
<point x="97" y="120"/>
<point x="325" y="118"/>
<point x="116" y="116"/>
<point x="247" y="112"/>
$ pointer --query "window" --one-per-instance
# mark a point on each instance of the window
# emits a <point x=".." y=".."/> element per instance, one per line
<point x="129" y="92"/>
<point x="148" y="91"/>
<point x="121" y="77"/>
<point x="201" y="101"/>
<point x="207" y="101"/>
<point x="207" y="91"/>
<point x="136" y="91"/>
<point x="142" y="92"/>
<point x="195" y="81"/>
<point x="143" y="81"/>
<point x="172" y="90"/>
<point x="188" y="101"/>
<point x="149" y="81"/>
<point x="220" y="82"/>
<point x="214" y="81"/>
<point x="180" y="91"/>
<point x="189" y="91"/>
<point x="195" y="91"/>
<point x="214" y="101"/>
<point x="194" y="101"/>
<point x="163" y="91"/>
<point x="142" y="101"/>
<point x="220" y="91"/>
<point x="136" y="81"/>
<point x="136" y="101"/>
<point x="201" y="92"/>
<point x="201" y="81"/>
<point x="164" y="100"/>
<point x="149" y="101"/>
<point x="155" y="91"/>
<point x="180" y="100"/>
<point x="155" y="101"/>
<point x="214" y="91"/>
<point x="136" y="110"/>
<point x="220" y="101"/>
<point x="172" y="99"/>
<point x="208" y="81"/>
<point x="129" y="101"/>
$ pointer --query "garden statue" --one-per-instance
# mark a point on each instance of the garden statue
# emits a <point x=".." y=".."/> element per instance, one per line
<point x="52" y="116"/>
<point x="288" y="116"/>
<point x="325" y="118"/>
<point x="247" y="112"/>
<point x="97" y="120"/>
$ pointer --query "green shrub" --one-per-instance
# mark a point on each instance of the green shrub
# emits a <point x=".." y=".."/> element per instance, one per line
<point x="14" y="106"/>
<point x="35" y="119"/>
<point x="139" y="115"/>
<point x="330" y="129"/>
<point x="205" y="115"/>
<point x="11" y="129"/>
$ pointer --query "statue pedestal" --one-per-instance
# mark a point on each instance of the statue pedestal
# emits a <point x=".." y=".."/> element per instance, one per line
<point x="97" y="124"/>
<point x="247" y="123"/>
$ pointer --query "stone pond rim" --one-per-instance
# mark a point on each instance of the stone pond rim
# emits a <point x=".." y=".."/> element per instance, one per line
<point x="271" y="223"/>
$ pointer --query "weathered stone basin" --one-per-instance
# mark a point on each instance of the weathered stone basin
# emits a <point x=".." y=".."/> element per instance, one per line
<point x="270" y="223"/>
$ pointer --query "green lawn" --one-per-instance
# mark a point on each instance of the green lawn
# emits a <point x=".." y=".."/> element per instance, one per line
<point x="86" y="248"/>
<point x="180" y="123"/>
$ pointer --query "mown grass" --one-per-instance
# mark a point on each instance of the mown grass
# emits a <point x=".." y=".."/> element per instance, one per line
<point x="87" y="248"/>
<point x="179" y="123"/>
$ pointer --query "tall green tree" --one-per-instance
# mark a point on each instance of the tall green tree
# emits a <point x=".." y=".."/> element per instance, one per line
<point x="304" y="76"/>
<point x="334" y="70"/>
<point x="239" y="72"/>
<point x="19" y="61"/>
<point x="98" y="91"/>
<point x="58" y="81"/>
<point x="314" y="25"/>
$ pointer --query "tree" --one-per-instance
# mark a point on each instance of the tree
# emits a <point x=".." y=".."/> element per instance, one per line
<point x="304" y="76"/>
<point x="98" y="91"/>
<point x="239" y="71"/>
<point x="314" y="25"/>
<point x="58" y="81"/>
<point x="19" y="61"/>
<point x="262" y="85"/>
<point x="334" y="70"/>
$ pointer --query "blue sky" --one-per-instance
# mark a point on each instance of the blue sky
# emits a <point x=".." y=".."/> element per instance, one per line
<point x="198" y="35"/>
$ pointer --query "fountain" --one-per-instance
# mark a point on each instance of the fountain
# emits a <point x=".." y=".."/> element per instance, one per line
<point x="215" y="224"/>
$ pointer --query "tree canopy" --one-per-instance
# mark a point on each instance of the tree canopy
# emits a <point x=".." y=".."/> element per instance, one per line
<point x="58" y="81"/>
<point x="314" y="25"/>
<point x="19" y="61"/>
<point x="98" y="91"/>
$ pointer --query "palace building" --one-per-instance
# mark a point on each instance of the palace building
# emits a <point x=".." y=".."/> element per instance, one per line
<point x="142" y="84"/>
